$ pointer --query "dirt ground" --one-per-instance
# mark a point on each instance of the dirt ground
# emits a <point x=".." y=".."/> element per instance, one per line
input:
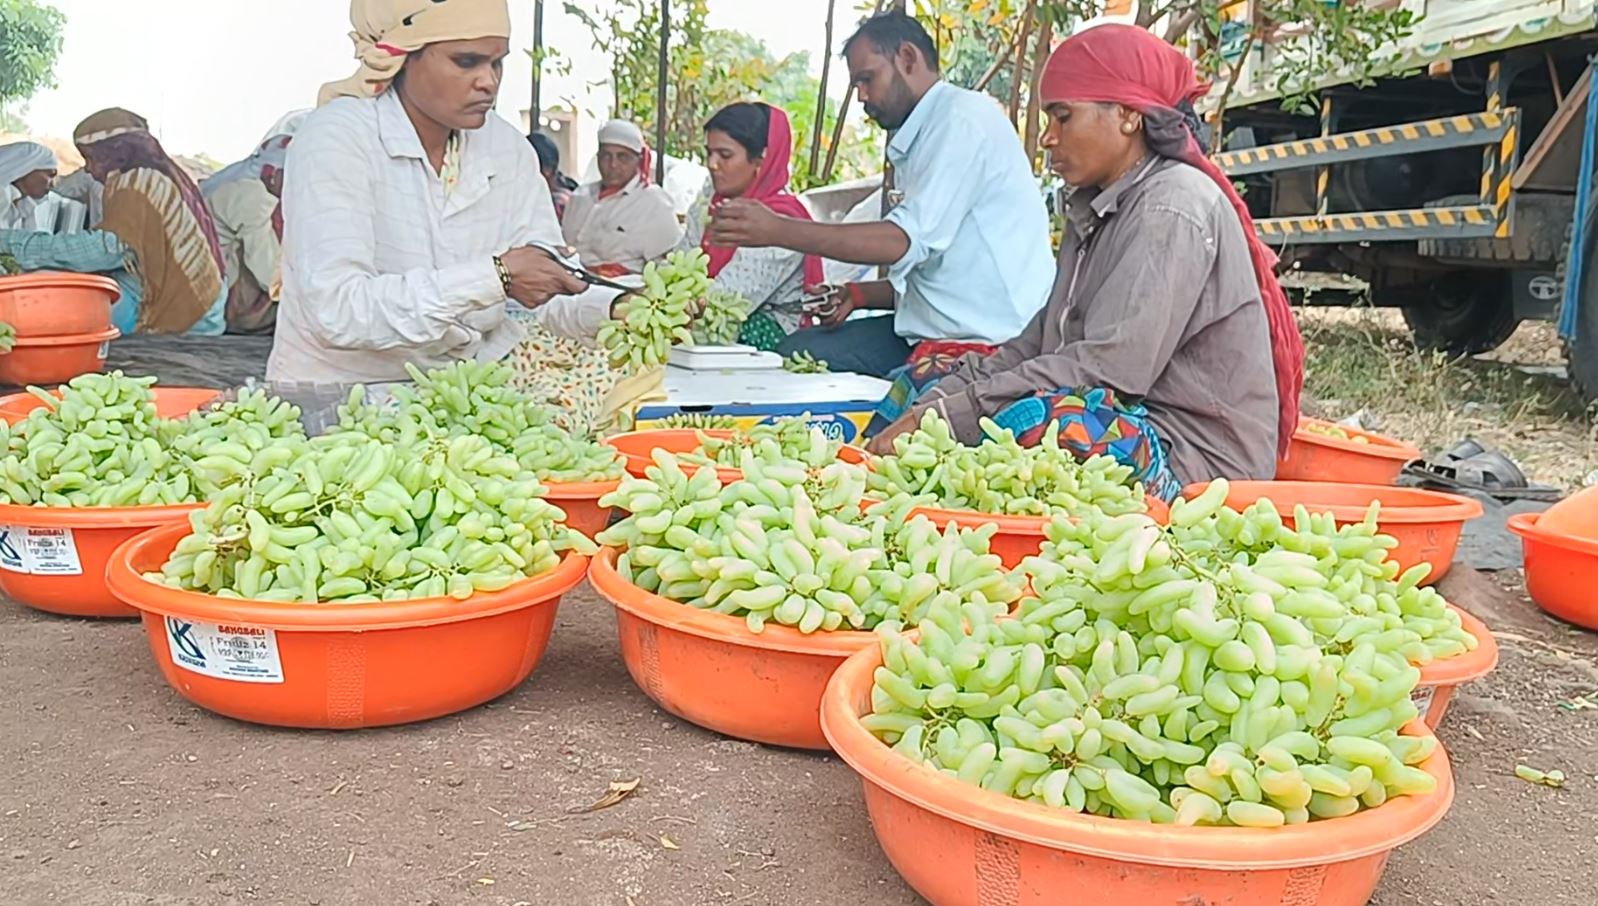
<point x="115" y="791"/>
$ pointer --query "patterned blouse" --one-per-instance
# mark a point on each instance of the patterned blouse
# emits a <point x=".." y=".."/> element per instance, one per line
<point x="768" y="278"/>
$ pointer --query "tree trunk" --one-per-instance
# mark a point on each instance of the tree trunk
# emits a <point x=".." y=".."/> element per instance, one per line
<point x="1020" y="70"/>
<point x="1039" y="59"/>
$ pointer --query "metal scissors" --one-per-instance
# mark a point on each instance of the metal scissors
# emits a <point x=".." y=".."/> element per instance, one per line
<point x="588" y="278"/>
<point x="823" y="302"/>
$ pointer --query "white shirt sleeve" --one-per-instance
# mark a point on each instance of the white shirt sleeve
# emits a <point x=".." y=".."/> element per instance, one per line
<point x="947" y="188"/>
<point x="331" y="244"/>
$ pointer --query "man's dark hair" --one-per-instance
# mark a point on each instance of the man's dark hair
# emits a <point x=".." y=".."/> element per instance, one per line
<point x="887" y="32"/>
<point x="548" y="151"/>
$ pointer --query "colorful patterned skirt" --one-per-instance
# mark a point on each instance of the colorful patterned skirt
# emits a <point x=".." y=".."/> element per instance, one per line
<point x="1093" y="422"/>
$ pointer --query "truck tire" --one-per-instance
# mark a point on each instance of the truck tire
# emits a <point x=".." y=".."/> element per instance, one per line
<point x="1581" y="352"/>
<point x="1464" y="313"/>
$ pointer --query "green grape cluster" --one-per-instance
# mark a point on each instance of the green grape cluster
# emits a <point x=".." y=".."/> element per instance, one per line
<point x="479" y="398"/>
<point x="8" y="265"/>
<point x="101" y="444"/>
<point x="350" y="519"/>
<point x="784" y="439"/>
<point x="8" y="337"/>
<point x="803" y="362"/>
<point x="703" y="421"/>
<point x="930" y="467"/>
<point x="788" y="544"/>
<point x="722" y="320"/>
<point x="650" y="322"/>
<point x="1147" y="681"/>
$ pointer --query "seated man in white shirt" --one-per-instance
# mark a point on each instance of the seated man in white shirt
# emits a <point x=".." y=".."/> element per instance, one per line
<point x="412" y="215"/>
<point x="967" y="250"/>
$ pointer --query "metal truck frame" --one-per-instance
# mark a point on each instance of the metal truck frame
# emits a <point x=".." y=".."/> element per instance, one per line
<point x="1458" y="186"/>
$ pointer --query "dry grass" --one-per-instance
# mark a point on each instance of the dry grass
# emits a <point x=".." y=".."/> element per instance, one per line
<point x="1362" y="361"/>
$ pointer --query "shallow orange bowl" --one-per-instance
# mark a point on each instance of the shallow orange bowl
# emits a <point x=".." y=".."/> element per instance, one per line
<point x="56" y="360"/>
<point x="709" y="669"/>
<point x="580" y="501"/>
<point x="960" y="845"/>
<point x="53" y="304"/>
<point x="1440" y="679"/>
<point x="639" y="448"/>
<point x="1018" y="537"/>
<point x="1318" y="457"/>
<point x="170" y="402"/>
<point x="339" y="666"/>
<point x="54" y="558"/>
<point x="1560" y="569"/>
<point x="1427" y="524"/>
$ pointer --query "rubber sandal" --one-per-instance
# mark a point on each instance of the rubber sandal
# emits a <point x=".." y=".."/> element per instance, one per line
<point x="1486" y="472"/>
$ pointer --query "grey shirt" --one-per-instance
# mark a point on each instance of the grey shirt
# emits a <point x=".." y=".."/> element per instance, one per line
<point x="1157" y="300"/>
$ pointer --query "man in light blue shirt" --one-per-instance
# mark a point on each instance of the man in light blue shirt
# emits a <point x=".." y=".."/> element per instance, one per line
<point x="967" y="250"/>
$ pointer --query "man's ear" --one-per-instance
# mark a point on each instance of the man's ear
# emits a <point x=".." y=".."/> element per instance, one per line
<point x="909" y="58"/>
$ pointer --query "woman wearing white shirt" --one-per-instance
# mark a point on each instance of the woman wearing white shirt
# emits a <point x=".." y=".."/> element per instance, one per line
<point x="27" y="170"/>
<point x="411" y="215"/>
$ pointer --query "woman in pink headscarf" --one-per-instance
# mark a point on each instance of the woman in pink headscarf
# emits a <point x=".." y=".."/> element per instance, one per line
<point x="749" y="148"/>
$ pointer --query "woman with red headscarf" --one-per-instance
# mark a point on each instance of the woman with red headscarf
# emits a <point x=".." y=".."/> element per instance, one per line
<point x="749" y="148"/>
<point x="1167" y="342"/>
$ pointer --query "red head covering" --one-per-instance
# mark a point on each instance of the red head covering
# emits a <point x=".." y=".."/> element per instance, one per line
<point x="770" y="188"/>
<point x="1122" y="64"/>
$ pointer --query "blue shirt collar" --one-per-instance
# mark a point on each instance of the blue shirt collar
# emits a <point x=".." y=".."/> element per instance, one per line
<point x="905" y="138"/>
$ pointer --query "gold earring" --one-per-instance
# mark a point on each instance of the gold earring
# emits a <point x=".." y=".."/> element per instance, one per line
<point x="1128" y="128"/>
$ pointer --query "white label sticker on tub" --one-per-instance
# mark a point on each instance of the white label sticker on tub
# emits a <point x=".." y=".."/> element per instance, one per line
<point x="43" y="552"/>
<point x="105" y="349"/>
<point x="244" y="654"/>
<point x="1422" y="697"/>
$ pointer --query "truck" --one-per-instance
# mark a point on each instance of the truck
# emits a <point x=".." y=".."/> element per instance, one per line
<point x="1455" y="180"/>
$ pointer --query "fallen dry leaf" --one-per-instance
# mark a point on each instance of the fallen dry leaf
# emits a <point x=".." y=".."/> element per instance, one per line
<point x="619" y="790"/>
<point x="668" y="843"/>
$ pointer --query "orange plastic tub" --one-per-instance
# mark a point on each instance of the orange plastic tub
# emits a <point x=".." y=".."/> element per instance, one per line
<point x="1317" y="457"/>
<point x="54" y="558"/>
<point x="1560" y="569"/>
<point x="1427" y="524"/>
<point x="709" y="669"/>
<point x="960" y="845"/>
<point x="639" y="448"/>
<point x="1440" y="679"/>
<point x="56" y="360"/>
<point x="580" y="500"/>
<point x="1018" y="537"/>
<point x="49" y="304"/>
<point x="170" y="402"/>
<point x="339" y="666"/>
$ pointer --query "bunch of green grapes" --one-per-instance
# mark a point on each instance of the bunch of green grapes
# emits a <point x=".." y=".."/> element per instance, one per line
<point x="101" y="444"/>
<point x="702" y="421"/>
<point x="479" y="398"/>
<point x="722" y="320"/>
<point x="8" y="337"/>
<point x="650" y="322"/>
<point x="804" y="363"/>
<point x="783" y="439"/>
<point x="350" y="519"/>
<point x="788" y="544"/>
<point x="1146" y="679"/>
<point x="930" y="467"/>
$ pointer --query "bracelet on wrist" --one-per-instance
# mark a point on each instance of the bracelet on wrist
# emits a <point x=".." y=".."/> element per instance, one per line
<point x="504" y="274"/>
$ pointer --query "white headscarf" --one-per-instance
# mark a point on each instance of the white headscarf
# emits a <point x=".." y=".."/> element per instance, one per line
<point x="622" y="134"/>
<point x="16" y="161"/>
<point x="250" y="167"/>
<point x="388" y="31"/>
<point x="19" y="159"/>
